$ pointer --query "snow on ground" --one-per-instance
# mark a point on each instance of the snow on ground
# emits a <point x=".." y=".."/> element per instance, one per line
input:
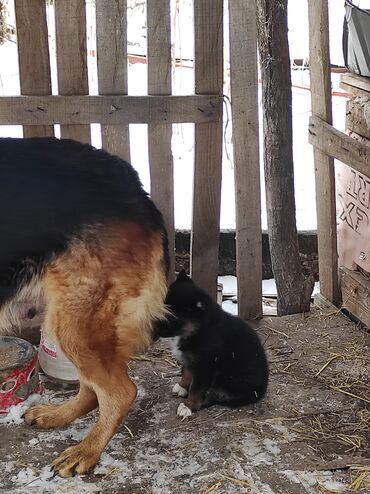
<point x="15" y="412"/>
<point x="229" y="284"/>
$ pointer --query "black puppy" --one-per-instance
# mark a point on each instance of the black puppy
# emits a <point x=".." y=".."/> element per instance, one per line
<point x="222" y="357"/>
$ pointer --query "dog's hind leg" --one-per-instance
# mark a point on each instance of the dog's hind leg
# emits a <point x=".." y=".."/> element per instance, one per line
<point x="102" y="296"/>
<point x="115" y="392"/>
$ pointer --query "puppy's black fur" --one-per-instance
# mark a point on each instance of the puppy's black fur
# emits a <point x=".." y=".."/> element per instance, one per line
<point x="223" y="359"/>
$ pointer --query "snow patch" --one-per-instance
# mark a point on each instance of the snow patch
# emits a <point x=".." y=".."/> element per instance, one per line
<point x="15" y="412"/>
<point x="311" y="480"/>
<point x="259" y="452"/>
<point x="271" y="446"/>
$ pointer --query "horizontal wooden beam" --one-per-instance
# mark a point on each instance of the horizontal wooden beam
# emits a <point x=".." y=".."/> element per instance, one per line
<point x="338" y="145"/>
<point x="109" y="110"/>
<point x="355" y="84"/>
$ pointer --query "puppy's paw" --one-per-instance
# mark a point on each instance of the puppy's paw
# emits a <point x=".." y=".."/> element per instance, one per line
<point x="183" y="410"/>
<point x="179" y="390"/>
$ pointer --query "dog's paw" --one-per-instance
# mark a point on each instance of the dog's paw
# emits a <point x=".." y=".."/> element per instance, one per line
<point x="179" y="390"/>
<point x="183" y="410"/>
<point x="46" y="416"/>
<point x="75" y="459"/>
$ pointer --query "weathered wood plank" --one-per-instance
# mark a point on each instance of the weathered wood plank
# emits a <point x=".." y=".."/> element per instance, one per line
<point x="356" y="82"/>
<point x="33" y="56"/>
<point x="111" y="41"/>
<point x="208" y="47"/>
<point x="70" y="33"/>
<point x="332" y="142"/>
<point x="324" y="165"/>
<point x="358" y="117"/>
<point x="160" y="134"/>
<point x="353" y="90"/>
<point x="109" y="110"/>
<point x="244" y="101"/>
<point x="356" y="294"/>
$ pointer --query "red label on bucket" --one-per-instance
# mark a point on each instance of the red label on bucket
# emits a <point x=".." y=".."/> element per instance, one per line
<point x="49" y="350"/>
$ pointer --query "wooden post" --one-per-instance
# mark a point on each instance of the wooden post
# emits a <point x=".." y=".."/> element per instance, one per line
<point x="33" y="56"/>
<point x="160" y="134"/>
<point x="324" y="164"/>
<point x="111" y="42"/>
<point x="70" y="30"/>
<point x="293" y="290"/>
<point x="244" y="103"/>
<point x="208" y="31"/>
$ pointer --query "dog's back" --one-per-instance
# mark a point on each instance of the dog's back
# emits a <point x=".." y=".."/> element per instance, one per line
<point x="52" y="191"/>
<point x="78" y="230"/>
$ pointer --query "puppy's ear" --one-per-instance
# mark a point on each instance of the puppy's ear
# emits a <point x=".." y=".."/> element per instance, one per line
<point x="182" y="276"/>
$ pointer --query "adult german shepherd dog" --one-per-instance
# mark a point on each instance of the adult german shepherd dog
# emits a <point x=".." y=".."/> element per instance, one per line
<point x="78" y="230"/>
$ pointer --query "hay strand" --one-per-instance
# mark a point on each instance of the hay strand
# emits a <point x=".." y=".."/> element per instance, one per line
<point x="348" y="393"/>
<point x="327" y="364"/>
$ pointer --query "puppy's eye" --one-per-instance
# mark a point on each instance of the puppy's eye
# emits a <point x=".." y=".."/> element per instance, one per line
<point x="199" y="305"/>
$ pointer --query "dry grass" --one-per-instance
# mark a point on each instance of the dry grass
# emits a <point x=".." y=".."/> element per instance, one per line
<point x="226" y="478"/>
<point x="350" y="433"/>
<point x="360" y="480"/>
<point x="164" y="359"/>
<point x="348" y="372"/>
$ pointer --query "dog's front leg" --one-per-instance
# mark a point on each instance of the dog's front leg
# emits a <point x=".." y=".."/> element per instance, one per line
<point x="201" y="381"/>
<point x="182" y="388"/>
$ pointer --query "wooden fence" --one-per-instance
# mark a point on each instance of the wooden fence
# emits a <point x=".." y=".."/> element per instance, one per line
<point x="329" y="143"/>
<point x="74" y="109"/>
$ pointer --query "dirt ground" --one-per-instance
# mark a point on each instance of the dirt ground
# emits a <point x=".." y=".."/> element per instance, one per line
<point x="310" y="435"/>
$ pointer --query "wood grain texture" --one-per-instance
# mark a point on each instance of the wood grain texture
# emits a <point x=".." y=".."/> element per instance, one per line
<point x="356" y="294"/>
<point x="324" y="164"/>
<point x="293" y="289"/>
<point x="160" y="134"/>
<point x="33" y="56"/>
<point x="244" y="101"/>
<point x="208" y="32"/>
<point x="356" y="82"/>
<point x="111" y="41"/>
<point x="70" y="32"/>
<point x="358" y="117"/>
<point x="334" y="143"/>
<point x="110" y="110"/>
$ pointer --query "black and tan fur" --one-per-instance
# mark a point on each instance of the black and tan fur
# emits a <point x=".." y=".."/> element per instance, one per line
<point x="223" y="360"/>
<point x="78" y="231"/>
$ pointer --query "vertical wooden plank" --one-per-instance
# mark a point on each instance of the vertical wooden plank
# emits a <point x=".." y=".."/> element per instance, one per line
<point x="244" y="103"/>
<point x="33" y="56"/>
<point x="111" y="41"/>
<point x="208" y="32"/>
<point x="160" y="135"/>
<point x="324" y="165"/>
<point x="70" y="31"/>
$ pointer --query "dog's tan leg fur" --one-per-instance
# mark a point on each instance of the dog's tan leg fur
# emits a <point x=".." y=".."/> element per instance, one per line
<point x="115" y="392"/>
<point x="51" y="416"/>
<point x="102" y="296"/>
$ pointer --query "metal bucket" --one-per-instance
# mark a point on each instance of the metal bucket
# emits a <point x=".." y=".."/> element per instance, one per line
<point x="19" y="372"/>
